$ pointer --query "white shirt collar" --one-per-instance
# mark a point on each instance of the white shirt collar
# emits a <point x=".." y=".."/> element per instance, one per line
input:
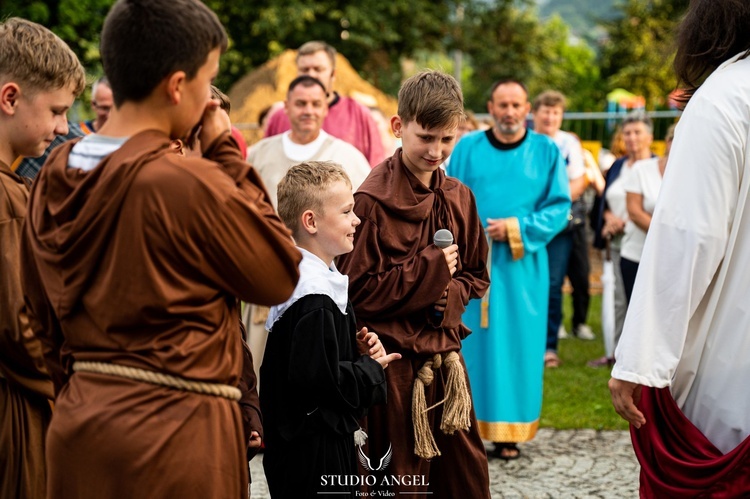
<point x="315" y="278"/>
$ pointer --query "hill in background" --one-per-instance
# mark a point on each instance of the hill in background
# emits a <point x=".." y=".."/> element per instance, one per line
<point x="581" y="15"/>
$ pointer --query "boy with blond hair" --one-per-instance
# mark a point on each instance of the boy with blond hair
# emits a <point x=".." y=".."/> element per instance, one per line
<point x="40" y="78"/>
<point x="321" y="375"/>
<point x="134" y="257"/>
<point x="413" y="293"/>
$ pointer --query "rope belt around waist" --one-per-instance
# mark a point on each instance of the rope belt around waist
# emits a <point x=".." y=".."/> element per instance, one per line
<point x="457" y="410"/>
<point x="155" y="378"/>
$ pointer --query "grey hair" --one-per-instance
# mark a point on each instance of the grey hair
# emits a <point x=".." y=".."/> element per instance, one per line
<point x="639" y="117"/>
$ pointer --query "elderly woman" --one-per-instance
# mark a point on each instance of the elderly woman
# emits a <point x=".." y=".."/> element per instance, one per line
<point x="641" y="190"/>
<point x="637" y="134"/>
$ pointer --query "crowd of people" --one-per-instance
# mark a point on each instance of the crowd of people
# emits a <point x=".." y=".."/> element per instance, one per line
<point x="173" y="302"/>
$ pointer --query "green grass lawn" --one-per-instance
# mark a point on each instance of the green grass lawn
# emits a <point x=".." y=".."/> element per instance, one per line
<point x="575" y="395"/>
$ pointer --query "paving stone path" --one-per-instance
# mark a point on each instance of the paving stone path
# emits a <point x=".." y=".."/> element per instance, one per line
<point x="557" y="464"/>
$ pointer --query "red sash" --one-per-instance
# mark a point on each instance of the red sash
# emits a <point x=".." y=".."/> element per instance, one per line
<point x="678" y="461"/>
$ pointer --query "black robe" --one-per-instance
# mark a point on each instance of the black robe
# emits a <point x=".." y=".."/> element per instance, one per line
<point x="315" y="387"/>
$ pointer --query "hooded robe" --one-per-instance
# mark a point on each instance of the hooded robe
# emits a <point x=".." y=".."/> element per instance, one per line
<point x="139" y="262"/>
<point x="25" y="385"/>
<point x="396" y="274"/>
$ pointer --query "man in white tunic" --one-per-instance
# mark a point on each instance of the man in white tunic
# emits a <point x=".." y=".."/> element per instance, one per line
<point x="687" y="331"/>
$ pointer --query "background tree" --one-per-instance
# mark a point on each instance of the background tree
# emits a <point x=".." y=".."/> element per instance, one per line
<point x="372" y="34"/>
<point x="505" y="38"/>
<point x="78" y="22"/>
<point x="639" y="51"/>
<point x="498" y="38"/>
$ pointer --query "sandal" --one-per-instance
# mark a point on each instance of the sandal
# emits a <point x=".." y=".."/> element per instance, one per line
<point x="551" y="360"/>
<point x="507" y="451"/>
<point x="601" y="362"/>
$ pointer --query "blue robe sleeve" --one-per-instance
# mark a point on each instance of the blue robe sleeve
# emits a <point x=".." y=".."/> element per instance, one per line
<point x="551" y="214"/>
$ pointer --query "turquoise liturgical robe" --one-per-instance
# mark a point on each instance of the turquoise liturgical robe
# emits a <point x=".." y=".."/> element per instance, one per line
<point x="526" y="183"/>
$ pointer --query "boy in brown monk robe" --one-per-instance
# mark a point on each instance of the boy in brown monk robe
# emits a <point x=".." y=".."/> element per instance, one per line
<point x="134" y="257"/>
<point x="412" y="293"/>
<point x="40" y="78"/>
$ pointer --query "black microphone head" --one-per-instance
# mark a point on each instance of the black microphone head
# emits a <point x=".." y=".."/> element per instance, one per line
<point x="443" y="238"/>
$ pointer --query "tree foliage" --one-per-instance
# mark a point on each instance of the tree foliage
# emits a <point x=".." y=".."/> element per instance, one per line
<point x="506" y="39"/>
<point x="499" y="38"/>
<point x="639" y="52"/>
<point x="78" y="22"/>
<point x="372" y="34"/>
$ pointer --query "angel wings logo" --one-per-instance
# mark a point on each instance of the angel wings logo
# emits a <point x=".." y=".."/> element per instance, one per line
<point x="383" y="464"/>
<point x="373" y="471"/>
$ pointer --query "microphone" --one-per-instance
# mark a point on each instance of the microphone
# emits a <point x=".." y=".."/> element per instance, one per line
<point x="442" y="239"/>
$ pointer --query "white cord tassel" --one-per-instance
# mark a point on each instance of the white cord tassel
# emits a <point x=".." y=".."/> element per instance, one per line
<point x="360" y="437"/>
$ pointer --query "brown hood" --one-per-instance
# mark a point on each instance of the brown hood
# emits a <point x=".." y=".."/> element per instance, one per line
<point x="399" y="191"/>
<point x="70" y="229"/>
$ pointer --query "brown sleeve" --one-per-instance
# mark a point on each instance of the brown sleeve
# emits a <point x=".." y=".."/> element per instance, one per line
<point x="21" y="359"/>
<point x="471" y="279"/>
<point x="252" y="419"/>
<point x="225" y="151"/>
<point x="382" y="288"/>
<point x="248" y="249"/>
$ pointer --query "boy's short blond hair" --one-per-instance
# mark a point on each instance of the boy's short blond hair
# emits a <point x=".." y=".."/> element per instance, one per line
<point x="304" y="188"/>
<point x="433" y="99"/>
<point x="37" y="59"/>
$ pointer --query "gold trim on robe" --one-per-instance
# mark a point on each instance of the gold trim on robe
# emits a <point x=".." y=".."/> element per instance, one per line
<point x="508" y="432"/>
<point x="515" y="240"/>
<point x="484" y="320"/>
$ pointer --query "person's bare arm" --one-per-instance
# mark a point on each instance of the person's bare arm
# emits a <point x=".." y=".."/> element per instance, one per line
<point x="640" y="217"/>
<point x="577" y="186"/>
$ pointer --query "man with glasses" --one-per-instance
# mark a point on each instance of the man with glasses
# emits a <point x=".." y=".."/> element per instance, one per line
<point x="102" y="103"/>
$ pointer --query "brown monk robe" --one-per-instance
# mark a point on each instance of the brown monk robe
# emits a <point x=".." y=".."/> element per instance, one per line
<point x="25" y="385"/>
<point x="252" y="419"/>
<point x="396" y="274"/>
<point x="137" y="263"/>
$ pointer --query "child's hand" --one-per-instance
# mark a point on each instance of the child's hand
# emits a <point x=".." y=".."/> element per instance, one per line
<point x="451" y="257"/>
<point x="442" y="302"/>
<point x="214" y="123"/>
<point x="368" y="343"/>
<point x="255" y="440"/>
<point x="387" y="359"/>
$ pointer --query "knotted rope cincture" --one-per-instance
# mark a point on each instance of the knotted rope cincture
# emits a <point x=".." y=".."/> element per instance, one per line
<point x="457" y="412"/>
<point x="155" y="378"/>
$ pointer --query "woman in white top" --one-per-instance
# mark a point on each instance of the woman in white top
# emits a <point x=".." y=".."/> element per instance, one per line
<point x="637" y="134"/>
<point x="642" y="189"/>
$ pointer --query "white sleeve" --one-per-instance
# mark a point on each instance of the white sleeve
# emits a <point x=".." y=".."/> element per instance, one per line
<point x="687" y="238"/>
<point x="356" y="166"/>
<point x="575" y="166"/>
<point x="634" y="182"/>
